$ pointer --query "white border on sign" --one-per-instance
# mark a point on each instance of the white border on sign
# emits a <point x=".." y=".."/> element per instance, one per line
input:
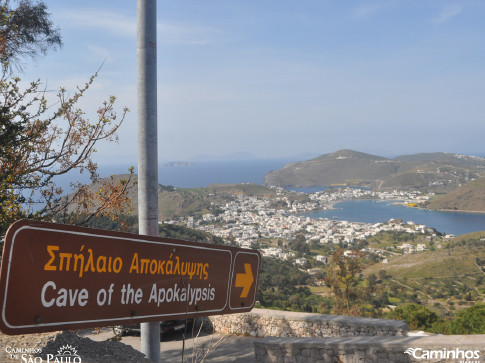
<point x="229" y="278"/>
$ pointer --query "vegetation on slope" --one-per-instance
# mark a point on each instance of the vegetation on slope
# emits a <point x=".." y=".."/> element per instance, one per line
<point x="448" y="282"/>
<point x="282" y="286"/>
<point x="467" y="197"/>
<point x="165" y="230"/>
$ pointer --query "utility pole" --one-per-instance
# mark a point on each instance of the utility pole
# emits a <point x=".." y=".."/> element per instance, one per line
<point x="147" y="146"/>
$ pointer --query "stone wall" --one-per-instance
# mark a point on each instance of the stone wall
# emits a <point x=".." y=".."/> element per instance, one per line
<point x="311" y="338"/>
<point x="275" y="323"/>
<point x="451" y="348"/>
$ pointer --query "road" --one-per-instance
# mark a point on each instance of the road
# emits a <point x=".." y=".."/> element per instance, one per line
<point x="215" y="347"/>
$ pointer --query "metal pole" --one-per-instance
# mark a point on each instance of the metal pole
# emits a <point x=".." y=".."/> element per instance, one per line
<point x="147" y="147"/>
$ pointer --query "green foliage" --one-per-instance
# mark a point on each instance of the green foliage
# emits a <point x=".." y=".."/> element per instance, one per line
<point x="280" y="287"/>
<point x="124" y="223"/>
<point x="188" y="234"/>
<point x="469" y="321"/>
<point x="280" y="274"/>
<point x="343" y="276"/>
<point x="299" y="245"/>
<point x="400" y="236"/>
<point x="25" y="31"/>
<point x="166" y="230"/>
<point x="416" y="316"/>
<point x="447" y="280"/>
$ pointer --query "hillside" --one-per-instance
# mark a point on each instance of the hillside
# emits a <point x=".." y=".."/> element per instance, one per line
<point x="467" y="197"/>
<point x="165" y="230"/>
<point x="172" y="202"/>
<point x="432" y="172"/>
<point x="177" y="202"/>
<point x="438" y="264"/>
<point x="447" y="278"/>
<point x="446" y="158"/>
<point x="341" y="167"/>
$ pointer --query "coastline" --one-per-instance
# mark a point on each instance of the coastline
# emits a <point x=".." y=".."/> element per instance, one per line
<point x="444" y="210"/>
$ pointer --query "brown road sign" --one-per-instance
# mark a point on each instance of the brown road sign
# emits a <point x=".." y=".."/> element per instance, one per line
<point x="66" y="277"/>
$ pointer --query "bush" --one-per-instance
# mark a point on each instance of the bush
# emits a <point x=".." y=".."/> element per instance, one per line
<point x="441" y="327"/>
<point x="416" y="316"/>
<point x="470" y="321"/>
<point x="394" y="300"/>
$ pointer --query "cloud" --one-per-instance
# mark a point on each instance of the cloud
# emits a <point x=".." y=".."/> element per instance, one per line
<point x="187" y="34"/>
<point x="99" y="53"/>
<point x="447" y="12"/>
<point x="365" y="11"/>
<point x="125" y="26"/>
<point x="114" y="23"/>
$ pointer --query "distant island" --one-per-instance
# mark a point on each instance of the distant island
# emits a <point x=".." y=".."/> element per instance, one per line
<point x="178" y="164"/>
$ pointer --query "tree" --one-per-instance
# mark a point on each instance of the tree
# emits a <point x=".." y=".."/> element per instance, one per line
<point x="39" y="142"/>
<point x="479" y="280"/>
<point x="383" y="275"/>
<point x="343" y="276"/>
<point x="25" y="31"/>
<point x="299" y="245"/>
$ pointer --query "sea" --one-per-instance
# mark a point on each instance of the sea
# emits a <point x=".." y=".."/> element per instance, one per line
<point x="374" y="211"/>
<point x="202" y="174"/>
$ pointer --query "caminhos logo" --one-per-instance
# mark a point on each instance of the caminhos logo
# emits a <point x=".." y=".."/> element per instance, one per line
<point x="463" y="356"/>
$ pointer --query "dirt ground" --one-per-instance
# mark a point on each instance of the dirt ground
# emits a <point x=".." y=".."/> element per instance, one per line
<point x="96" y="346"/>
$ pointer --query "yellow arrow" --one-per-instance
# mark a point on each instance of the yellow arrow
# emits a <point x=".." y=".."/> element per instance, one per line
<point x="245" y="280"/>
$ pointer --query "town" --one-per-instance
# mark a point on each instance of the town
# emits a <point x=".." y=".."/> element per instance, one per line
<point x="248" y="219"/>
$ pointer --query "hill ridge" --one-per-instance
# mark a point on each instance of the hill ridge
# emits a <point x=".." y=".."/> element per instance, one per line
<point x="437" y="172"/>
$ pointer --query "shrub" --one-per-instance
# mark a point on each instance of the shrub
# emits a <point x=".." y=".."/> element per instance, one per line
<point x="416" y="316"/>
<point x="470" y="321"/>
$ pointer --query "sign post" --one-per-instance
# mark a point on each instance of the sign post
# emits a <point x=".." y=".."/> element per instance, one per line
<point x="147" y="145"/>
<point x="66" y="277"/>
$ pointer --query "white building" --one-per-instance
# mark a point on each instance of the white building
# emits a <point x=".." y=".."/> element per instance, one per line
<point x="301" y="261"/>
<point x="322" y="259"/>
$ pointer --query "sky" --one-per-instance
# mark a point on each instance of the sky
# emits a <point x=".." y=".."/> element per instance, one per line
<point x="282" y="78"/>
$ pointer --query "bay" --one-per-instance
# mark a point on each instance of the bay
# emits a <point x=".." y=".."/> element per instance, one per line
<point x="373" y="211"/>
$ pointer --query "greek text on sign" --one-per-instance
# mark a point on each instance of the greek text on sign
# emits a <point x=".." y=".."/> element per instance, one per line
<point x="65" y="277"/>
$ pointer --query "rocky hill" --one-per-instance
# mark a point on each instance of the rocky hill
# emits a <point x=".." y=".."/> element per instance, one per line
<point x="430" y="172"/>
